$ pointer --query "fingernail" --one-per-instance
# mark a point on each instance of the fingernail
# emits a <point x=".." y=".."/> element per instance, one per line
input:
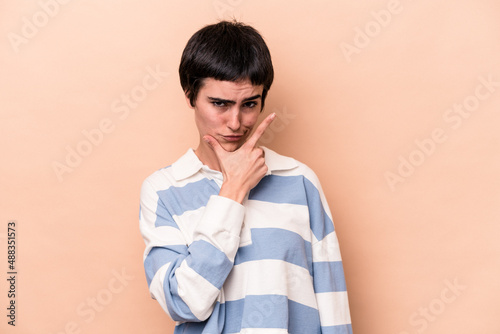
<point x="273" y="115"/>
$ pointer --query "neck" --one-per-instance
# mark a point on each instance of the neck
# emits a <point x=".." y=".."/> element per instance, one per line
<point x="207" y="156"/>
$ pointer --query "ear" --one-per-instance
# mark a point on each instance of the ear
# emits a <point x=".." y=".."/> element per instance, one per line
<point x="188" y="101"/>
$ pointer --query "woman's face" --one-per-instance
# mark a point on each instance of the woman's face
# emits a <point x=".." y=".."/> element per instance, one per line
<point x="227" y="111"/>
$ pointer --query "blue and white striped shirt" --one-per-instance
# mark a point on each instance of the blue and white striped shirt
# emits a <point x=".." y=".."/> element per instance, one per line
<point x="270" y="265"/>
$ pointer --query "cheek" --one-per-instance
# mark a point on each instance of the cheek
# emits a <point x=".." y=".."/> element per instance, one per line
<point x="249" y="120"/>
<point x="207" y="122"/>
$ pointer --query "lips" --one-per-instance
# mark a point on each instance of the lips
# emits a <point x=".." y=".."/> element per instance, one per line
<point x="232" y="137"/>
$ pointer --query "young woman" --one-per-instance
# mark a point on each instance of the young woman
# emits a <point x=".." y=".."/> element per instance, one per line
<point x="239" y="239"/>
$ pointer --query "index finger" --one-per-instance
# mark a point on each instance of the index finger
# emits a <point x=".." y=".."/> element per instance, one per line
<point x="252" y="141"/>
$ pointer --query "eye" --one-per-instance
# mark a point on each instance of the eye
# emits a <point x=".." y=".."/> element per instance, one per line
<point x="219" y="104"/>
<point x="250" y="104"/>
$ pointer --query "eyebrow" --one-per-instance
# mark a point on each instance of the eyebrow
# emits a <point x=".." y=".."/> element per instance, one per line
<point x="255" y="97"/>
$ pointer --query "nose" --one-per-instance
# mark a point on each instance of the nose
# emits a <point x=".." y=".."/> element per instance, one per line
<point x="234" y="121"/>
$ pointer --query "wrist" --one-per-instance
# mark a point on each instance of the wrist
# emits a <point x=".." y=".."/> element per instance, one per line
<point x="232" y="191"/>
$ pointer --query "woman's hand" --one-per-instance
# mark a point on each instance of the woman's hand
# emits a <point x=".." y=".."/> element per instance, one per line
<point x="243" y="168"/>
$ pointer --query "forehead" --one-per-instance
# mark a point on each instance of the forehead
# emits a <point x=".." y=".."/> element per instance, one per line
<point x="230" y="89"/>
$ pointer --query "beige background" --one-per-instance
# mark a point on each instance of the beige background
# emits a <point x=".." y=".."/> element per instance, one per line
<point x="368" y="93"/>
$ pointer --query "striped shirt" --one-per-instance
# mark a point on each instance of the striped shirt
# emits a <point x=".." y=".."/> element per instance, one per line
<point x="270" y="265"/>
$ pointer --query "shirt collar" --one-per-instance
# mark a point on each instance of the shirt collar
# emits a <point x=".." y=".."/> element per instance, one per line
<point x="189" y="164"/>
<point x="186" y="166"/>
<point x="276" y="162"/>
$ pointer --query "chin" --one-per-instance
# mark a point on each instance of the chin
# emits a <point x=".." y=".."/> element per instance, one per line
<point x="230" y="147"/>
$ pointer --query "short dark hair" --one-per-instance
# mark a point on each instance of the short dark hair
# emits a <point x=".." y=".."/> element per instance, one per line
<point x="226" y="51"/>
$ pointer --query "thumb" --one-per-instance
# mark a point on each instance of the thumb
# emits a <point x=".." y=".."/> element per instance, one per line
<point x="214" y="144"/>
